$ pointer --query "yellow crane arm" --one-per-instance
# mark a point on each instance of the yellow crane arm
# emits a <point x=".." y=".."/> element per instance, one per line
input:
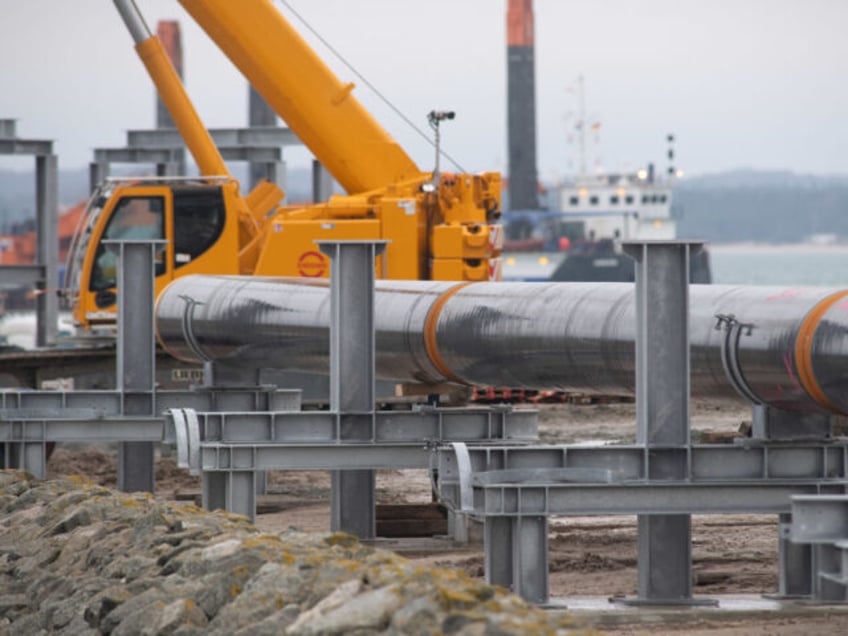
<point x="251" y="211"/>
<point x="316" y="105"/>
<point x="170" y="88"/>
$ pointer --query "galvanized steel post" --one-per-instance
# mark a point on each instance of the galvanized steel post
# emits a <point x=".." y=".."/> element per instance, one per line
<point x="43" y="274"/>
<point x="352" y="376"/>
<point x="136" y="354"/>
<point x="47" y="224"/>
<point x="662" y="409"/>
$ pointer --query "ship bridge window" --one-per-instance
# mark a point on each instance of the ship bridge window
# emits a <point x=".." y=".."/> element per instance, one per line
<point x="593" y="200"/>
<point x="629" y="199"/>
<point x="645" y="199"/>
<point x="662" y="198"/>
<point x="574" y="200"/>
<point x="613" y="200"/>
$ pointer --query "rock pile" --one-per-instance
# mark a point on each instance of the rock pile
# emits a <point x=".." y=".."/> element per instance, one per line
<point x="76" y="558"/>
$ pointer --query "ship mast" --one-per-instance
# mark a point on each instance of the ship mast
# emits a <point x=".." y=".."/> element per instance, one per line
<point x="581" y="125"/>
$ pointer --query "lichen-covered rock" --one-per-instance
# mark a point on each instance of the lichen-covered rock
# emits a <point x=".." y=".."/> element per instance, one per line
<point x="77" y="558"/>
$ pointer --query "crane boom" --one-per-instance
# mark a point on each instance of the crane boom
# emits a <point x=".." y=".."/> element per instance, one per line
<point x="438" y="227"/>
<point x="316" y="105"/>
<point x="170" y="88"/>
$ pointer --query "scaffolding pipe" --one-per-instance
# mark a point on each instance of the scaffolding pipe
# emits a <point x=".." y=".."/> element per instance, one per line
<point x="782" y="347"/>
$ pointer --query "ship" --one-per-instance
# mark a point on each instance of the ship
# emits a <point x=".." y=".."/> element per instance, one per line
<point x="574" y="230"/>
<point x="580" y="238"/>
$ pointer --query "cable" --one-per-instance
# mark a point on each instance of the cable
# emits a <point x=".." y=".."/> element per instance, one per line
<point x="373" y="88"/>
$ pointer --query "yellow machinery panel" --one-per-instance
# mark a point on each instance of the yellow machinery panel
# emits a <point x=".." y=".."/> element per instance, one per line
<point x="461" y="241"/>
<point x="473" y="269"/>
<point x="291" y="248"/>
<point x="405" y="230"/>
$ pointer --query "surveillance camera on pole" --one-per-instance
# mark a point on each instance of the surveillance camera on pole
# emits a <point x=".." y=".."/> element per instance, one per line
<point x="434" y="118"/>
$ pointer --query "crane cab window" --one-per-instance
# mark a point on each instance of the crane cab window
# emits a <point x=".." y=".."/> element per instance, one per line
<point x="199" y="217"/>
<point x="133" y="218"/>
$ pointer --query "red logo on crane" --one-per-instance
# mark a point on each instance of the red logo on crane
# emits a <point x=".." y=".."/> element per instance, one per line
<point x="312" y="264"/>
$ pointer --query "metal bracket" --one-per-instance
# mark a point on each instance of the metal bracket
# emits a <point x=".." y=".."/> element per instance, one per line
<point x="463" y="465"/>
<point x="733" y="330"/>
<point x="182" y="427"/>
<point x="188" y="334"/>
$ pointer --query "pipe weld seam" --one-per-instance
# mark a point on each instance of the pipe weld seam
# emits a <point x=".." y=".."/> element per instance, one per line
<point x="430" y="324"/>
<point x="804" y="350"/>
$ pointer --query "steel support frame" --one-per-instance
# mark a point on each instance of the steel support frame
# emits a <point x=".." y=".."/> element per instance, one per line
<point x="759" y="463"/>
<point x="101" y="406"/>
<point x="515" y="522"/>
<point x="315" y="441"/>
<point x="797" y="562"/>
<point x="514" y="490"/>
<point x="136" y="354"/>
<point x="352" y="381"/>
<point x="230" y="450"/>
<point x="420" y="425"/>
<point x="820" y="524"/>
<point x="260" y="145"/>
<point x="322" y="182"/>
<point x="655" y="498"/>
<point x="29" y="420"/>
<point x="662" y="407"/>
<point x="300" y="440"/>
<point x="775" y="424"/>
<point x="135" y="364"/>
<point x="352" y="439"/>
<point x="662" y="422"/>
<point x="246" y="430"/>
<point x="135" y="369"/>
<point x="256" y="136"/>
<point x="260" y="113"/>
<point x="664" y="479"/>
<point x="168" y="160"/>
<point x="44" y="273"/>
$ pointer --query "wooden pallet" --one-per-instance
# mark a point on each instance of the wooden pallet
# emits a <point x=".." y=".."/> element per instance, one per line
<point x="492" y="395"/>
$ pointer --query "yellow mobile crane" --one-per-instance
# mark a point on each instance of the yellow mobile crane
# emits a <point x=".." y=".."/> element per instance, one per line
<point x="441" y="226"/>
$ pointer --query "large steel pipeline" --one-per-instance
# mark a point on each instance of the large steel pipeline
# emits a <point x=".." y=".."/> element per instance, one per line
<point x="788" y="347"/>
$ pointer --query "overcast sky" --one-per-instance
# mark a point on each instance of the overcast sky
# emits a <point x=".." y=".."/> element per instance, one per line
<point x="742" y="83"/>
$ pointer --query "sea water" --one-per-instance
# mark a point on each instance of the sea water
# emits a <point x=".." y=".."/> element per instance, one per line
<point x="731" y="264"/>
<point x="783" y="265"/>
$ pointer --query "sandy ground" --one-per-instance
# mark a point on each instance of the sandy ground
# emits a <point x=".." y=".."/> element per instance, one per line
<point x="589" y="556"/>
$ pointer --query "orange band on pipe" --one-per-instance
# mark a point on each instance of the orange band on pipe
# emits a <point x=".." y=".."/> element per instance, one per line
<point x="804" y="350"/>
<point x="430" y="323"/>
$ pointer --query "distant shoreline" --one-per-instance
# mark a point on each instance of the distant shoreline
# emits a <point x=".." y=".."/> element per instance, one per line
<point x="775" y="247"/>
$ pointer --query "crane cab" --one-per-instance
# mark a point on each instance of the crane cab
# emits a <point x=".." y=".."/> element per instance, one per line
<point x="191" y="215"/>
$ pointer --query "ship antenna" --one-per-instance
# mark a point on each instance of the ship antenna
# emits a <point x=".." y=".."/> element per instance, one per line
<point x="671" y="171"/>
<point x="581" y="123"/>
